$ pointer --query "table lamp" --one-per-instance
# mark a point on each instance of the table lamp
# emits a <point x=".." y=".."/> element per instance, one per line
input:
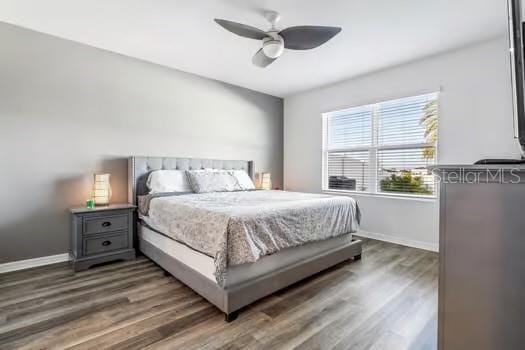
<point x="266" y="181"/>
<point x="101" y="189"/>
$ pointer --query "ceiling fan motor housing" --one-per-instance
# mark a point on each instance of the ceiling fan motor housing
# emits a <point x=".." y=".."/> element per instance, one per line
<point x="273" y="45"/>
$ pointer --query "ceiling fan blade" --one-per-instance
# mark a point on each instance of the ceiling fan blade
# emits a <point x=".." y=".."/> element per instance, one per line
<point x="307" y="37"/>
<point x="261" y="60"/>
<point x="242" y="29"/>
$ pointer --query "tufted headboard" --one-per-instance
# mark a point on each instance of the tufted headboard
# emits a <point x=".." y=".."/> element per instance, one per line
<point x="140" y="167"/>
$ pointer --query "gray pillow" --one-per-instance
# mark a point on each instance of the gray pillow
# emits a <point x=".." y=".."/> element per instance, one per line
<point x="212" y="181"/>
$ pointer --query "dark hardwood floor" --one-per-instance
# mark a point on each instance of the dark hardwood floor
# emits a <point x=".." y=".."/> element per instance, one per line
<point x="387" y="300"/>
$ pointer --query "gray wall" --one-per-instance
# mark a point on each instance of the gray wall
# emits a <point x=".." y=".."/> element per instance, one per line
<point x="68" y="110"/>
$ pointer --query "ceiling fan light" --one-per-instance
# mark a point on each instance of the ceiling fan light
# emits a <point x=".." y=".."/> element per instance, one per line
<point x="273" y="48"/>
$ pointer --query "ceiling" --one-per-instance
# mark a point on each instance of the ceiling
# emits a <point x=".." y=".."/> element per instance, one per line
<point x="181" y="34"/>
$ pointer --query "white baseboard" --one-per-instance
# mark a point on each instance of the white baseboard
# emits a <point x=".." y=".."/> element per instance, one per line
<point x="53" y="259"/>
<point x="434" y="247"/>
<point x="29" y="263"/>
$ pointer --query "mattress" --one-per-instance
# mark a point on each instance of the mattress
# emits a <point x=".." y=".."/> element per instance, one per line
<point x="239" y="274"/>
<point x="237" y="228"/>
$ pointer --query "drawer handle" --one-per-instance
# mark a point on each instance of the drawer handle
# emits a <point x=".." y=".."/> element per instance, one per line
<point x="106" y="243"/>
<point x="106" y="224"/>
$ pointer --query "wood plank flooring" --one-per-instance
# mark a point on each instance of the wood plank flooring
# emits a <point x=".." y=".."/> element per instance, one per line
<point x="387" y="300"/>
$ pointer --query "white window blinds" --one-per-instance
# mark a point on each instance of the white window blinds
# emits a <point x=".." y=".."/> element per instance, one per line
<point x="400" y="121"/>
<point x="404" y="171"/>
<point x="350" y="128"/>
<point x="349" y="170"/>
<point x="382" y="148"/>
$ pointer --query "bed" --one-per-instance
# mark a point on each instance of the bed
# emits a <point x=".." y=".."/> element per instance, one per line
<point x="250" y="264"/>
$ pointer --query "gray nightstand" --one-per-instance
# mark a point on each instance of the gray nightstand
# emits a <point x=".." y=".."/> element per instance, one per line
<point x="101" y="234"/>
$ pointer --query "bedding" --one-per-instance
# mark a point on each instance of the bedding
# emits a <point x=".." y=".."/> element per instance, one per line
<point x="241" y="227"/>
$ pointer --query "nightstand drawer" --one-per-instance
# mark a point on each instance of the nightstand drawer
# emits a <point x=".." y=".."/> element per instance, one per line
<point x="104" y="243"/>
<point x="105" y="224"/>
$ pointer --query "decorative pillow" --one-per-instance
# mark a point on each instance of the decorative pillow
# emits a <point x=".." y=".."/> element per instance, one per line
<point x="212" y="181"/>
<point x="243" y="179"/>
<point x="160" y="181"/>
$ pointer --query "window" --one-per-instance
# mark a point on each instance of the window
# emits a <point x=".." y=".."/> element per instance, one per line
<point x="382" y="148"/>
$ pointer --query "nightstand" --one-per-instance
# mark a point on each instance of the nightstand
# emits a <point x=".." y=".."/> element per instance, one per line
<point x="101" y="234"/>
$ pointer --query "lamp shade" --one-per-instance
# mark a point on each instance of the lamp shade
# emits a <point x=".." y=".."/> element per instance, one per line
<point x="266" y="181"/>
<point x="101" y="189"/>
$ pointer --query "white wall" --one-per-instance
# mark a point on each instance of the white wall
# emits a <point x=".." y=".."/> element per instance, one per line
<point x="475" y="122"/>
<point x="68" y="110"/>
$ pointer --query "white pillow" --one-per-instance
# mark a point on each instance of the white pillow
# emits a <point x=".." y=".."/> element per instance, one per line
<point x="160" y="181"/>
<point x="212" y="181"/>
<point x="243" y="179"/>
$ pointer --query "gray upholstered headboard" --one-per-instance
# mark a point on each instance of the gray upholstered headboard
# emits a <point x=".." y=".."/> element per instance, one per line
<point x="140" y="167"/>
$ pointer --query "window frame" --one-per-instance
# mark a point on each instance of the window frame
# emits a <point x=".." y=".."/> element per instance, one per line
<point x="373" y="150"/>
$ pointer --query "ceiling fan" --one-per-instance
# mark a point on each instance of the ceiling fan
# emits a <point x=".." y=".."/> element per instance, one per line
<point x="274" y="41"/>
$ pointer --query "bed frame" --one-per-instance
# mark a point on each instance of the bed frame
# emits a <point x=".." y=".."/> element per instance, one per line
<point x="232" y="298"/>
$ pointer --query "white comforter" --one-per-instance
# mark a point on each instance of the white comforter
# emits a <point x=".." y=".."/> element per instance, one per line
<point x="241" y="227"/>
